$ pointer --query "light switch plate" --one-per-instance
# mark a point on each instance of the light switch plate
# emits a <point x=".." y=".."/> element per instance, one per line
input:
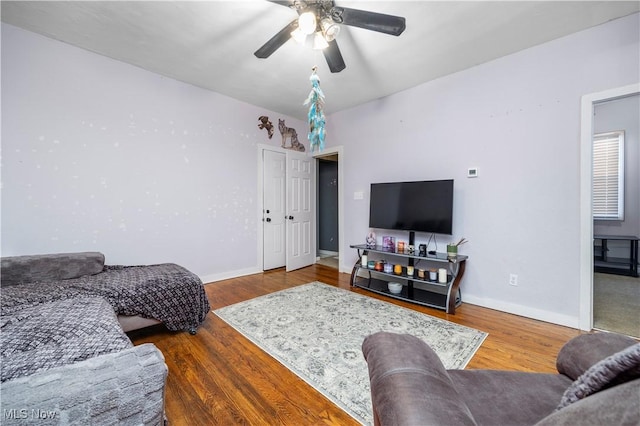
<point x="472" y="172"/>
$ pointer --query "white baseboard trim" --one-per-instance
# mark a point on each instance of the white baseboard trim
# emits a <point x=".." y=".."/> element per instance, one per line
<point x="229" y="274"/>
<point x="344" y="270"/>
<point x="523" y="311"/>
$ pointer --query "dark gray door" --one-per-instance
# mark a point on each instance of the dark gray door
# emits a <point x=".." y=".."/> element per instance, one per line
<point x="327" y="205"/>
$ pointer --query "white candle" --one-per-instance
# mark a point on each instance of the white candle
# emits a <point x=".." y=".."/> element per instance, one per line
<point x="410" y="271"/>
<point x="442" y="275"/>
<point x="433" y="274"/>
<point x="364" y="260"/>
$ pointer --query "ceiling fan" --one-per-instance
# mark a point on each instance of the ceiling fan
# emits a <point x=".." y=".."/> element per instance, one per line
<point x="321" y="18"/>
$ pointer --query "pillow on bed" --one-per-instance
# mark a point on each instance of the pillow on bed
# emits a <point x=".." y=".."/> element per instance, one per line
<point x="49" y="267"/>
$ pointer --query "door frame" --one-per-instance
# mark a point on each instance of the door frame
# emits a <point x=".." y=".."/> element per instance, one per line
<point x="585" y="319"/>
<point x="328" y="152"/>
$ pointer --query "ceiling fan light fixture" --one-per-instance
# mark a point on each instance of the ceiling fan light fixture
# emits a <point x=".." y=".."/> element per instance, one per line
<point x="299" y="36"/>
<point x="319" y="41"/>
<point x="307" y="22"/>
<point x="329" y="28"/>
<point x="312" y="19"/>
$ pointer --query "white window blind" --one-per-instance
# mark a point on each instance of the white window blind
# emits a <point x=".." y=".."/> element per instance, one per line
<point x="608" y="176"/>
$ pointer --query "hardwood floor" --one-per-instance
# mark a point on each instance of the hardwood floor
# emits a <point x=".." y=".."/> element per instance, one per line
<point x="219" y="377"/>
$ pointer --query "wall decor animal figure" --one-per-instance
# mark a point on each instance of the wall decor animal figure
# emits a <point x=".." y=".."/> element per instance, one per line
<point x="290" y="132"/>
<point x="266" y="124"/>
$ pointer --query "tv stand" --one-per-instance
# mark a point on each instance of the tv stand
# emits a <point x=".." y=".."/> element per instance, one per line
<point x="445" y="296"/>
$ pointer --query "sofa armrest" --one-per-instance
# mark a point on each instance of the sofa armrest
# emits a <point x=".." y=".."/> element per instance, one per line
<point x="582" y="352"/>
<point x="49" y="267"/>
<point x="125" y="387"/>
<point x="409" y="384"/>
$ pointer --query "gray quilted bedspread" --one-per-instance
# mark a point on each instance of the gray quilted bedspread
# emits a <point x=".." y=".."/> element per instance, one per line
<point x="165" y="292"/>
<point x="58" y="333"/>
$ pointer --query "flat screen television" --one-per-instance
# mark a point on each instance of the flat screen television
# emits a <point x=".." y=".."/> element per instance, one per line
<point x="422" y="206"/>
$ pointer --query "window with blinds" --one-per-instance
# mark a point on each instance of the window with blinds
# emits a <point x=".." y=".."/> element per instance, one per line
<point x="608" y="176"/>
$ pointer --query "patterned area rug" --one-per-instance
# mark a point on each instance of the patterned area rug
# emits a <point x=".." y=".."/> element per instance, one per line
<point x="316" y="330"/>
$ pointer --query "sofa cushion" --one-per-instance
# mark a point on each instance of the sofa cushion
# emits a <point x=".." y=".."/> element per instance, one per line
<point x="582" y="352"/>
<point x="616" y="369"/>
<point x="615" y="406"/>
<point x="49" y="267"/>
<point x="509" y="397"/>
<point x="58" y="333"/>
<point x="122" y="388"/>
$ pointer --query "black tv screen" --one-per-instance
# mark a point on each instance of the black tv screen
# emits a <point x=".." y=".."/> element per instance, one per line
<point x="423" y="206"/>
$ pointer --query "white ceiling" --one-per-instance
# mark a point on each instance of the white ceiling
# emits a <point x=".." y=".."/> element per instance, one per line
<point x="211" y="43"/>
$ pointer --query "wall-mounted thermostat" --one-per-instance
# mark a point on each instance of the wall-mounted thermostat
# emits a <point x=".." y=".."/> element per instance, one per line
<point x="472" y="172"/>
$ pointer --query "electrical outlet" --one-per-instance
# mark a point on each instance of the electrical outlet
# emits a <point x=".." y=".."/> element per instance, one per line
<point x="513" y="280"/>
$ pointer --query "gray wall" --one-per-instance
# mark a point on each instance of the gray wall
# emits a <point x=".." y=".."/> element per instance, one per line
<point x="517" y="119"/>
<point x="101" y="155"/>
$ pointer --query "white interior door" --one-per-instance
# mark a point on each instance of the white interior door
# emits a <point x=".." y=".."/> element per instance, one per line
<point x="301" y="211"/>
<point x="273" y="209"/>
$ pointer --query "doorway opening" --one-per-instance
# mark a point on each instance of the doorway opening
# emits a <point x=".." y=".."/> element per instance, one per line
<point x="329" y="212"/>
<point x="588" y="129"/>
<point x="616" y="204"/>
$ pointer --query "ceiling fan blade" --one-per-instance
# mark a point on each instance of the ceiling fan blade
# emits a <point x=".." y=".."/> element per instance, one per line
<point x="334" y="57"/>
<point x="373" y="21"/>
<point x="281" y="3"/>
<point x="276" y="41"/>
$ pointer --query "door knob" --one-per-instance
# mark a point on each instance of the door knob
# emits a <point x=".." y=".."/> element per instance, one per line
<point x="290" y="217"/>
<point x="268" y="219"/>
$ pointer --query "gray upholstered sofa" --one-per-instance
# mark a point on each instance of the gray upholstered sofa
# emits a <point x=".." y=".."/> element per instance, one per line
<point x="598" y="383"/>
<point x="65" y="356"/>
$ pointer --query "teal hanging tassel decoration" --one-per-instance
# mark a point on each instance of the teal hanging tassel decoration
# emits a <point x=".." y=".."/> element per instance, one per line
<point x="316" y="114"/>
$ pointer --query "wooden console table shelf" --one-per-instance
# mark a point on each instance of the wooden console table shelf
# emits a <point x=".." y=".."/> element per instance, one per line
<point x="445" y="296"/>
